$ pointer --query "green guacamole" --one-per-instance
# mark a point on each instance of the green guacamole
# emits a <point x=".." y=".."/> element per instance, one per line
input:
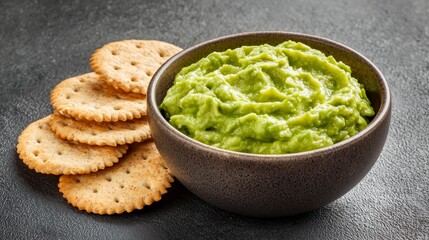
<point x="267" y="100"/>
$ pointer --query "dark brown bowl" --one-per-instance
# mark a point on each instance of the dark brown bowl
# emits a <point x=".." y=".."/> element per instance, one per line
<point x="270" y="185"/>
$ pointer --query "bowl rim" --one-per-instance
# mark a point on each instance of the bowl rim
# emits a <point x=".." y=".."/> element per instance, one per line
<point x="378" y="119"/>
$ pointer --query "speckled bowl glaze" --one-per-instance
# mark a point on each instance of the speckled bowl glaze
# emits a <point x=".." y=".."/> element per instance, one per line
<point x="270" y="185"/>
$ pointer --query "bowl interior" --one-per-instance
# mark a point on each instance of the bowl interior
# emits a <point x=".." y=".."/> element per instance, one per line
<point x="362" y="69"/>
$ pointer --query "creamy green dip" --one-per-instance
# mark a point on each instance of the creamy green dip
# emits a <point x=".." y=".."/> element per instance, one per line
<point x="267" y="99"/>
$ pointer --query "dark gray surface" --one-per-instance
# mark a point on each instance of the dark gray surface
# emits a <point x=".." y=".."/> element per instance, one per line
<point x="44" y="42"/>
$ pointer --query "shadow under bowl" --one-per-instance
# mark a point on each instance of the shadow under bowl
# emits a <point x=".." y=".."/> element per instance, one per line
<point x="270" y="185"/>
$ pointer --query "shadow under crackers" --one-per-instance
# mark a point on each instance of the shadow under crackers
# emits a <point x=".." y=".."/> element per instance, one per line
<point x="44" y="183"/>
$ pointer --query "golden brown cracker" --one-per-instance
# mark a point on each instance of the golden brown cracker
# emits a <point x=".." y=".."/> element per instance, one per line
<point x="139" y="179"/>
<point x="103" y="133"/>
<point x="87" y="97"/>
<point x="130" y="64"/>
<point x="43" y="151"/>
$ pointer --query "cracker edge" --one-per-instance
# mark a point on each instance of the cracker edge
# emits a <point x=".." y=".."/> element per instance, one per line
<point x="31" y="164"/>
<point x="96" y="59"/>
<point x="114" y="143"/>
<point x="104" y="117"/>
<point x="81" y="205"/>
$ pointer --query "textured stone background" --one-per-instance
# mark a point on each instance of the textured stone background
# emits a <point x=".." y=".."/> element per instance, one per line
<point x="44" y="42"/>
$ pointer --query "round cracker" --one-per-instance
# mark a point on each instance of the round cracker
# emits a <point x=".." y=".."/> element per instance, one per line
<point x="139" y="179"/>
<point x="103" y="133"/>
<point x="130" y="64"/>
<point x="43" y="151"/>
<point x="86" y="97"/>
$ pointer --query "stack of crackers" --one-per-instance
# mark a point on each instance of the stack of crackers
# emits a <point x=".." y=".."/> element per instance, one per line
<point x="98" y="138"/>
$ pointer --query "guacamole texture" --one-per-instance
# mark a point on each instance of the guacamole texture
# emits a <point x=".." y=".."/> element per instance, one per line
<point x="267" y="100"/>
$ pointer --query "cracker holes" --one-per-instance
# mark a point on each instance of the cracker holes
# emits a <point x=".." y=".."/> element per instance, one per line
<point x="138" y="46"/>
<point x="75" y="89"/>
<point x="121" y="186"/>
<point x="110" y="127"/>
<point x="64" y="124"/>
<point x="147" y="185"/>
<point x="148" y="73"/>
<point x="117" y="108"/>
<point x="38" y="140"/>
<point x="164" y="166"/>
<point x="162" y="54"/>
<point x="93" y="133"/>
<point x="114" y="52"/>
<point x="134" y="79"/>
<point x="59" y="153"/>
<point x="68" y="97"/>
<point x="133" y="63"/>
<point x="40" y="127"/>
<point x="116" y="200"/>
<point x="95" y="190"/>
<point x="118" y="97"/>
<point x="117" y="68"/>
<point x="81" y="80"/>
<point x="36" y="153"/>
<point x="109" y="179"/>
<point x="127" y="171"/>
<point x="77" y="180"/>
<point x="44" y="160"/>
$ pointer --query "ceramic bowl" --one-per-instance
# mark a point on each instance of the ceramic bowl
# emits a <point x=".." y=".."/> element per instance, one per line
<point x="270" y="185"/>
